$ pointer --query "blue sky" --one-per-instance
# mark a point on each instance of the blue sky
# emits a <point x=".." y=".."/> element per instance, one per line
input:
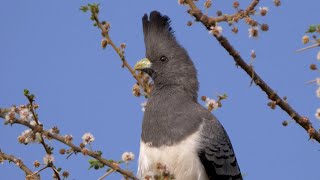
<point x="51" y="48"/>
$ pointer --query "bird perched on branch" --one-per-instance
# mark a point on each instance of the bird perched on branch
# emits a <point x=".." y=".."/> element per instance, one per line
<point x="177" y="131"/>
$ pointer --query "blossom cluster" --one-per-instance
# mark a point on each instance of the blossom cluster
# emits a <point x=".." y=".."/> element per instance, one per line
<point x="28" y="136"/>
<point x="254" y="26"/>
<point x="22" y="112"/>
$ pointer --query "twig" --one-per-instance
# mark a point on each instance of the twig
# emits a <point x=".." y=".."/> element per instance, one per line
<point x="106" y="174"/>
<point x="18" y="162"/>
<point x="272" y="95"/>
<point x="312" y="81"/>
<point x="309" y="47"/>
<point x="105" y="34"/>
<point x="37" y="172"/>
<point x="39" y="129"/>
<point x="45" y="146"/>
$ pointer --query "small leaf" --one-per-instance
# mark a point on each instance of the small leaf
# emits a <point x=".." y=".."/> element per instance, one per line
<point x="99" y="153"/>
<point x="95" y="164"/>
<point x="311" y="29"/>
<point x="26" y="92"/>
<point x="84" y="9"/>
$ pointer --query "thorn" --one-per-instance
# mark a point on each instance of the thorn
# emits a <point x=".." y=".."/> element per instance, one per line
<point x="309" y="47"/>
<point x="310" y="82"/>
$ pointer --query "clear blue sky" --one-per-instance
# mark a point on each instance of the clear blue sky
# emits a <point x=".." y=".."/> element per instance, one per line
<point x="51" y="48"/>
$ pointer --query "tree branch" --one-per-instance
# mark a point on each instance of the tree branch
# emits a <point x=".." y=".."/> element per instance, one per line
<point x="272" y="95"/>
<point x="30" y="98"/>
<point x="21" y="165"/>
<point x="104" y="27"/>
<point x="39" y="129"/>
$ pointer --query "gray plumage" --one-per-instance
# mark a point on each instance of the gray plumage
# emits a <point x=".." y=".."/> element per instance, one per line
<point x="175" y="125"/>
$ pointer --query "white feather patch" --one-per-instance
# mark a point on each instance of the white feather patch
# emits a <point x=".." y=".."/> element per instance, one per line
<point x="180" y="159"/>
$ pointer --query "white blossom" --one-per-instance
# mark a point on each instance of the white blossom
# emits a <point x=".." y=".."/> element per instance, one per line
<point x="33" y="123"/>
<point x="127" y="156"/>
<point x="181" y="2"/>
<point x="38" y="137"/>
<point x="217" y="30"/>
<point x="318" y="81"/>
<point x="10" y="116"/>
<point x="26" y="137"/>
<point x="318" y="92"/>
<point x="253" y="54"/>
<point x="318" y="56"/>
<point x="25" y="114"/>
<point x="68" y="138"/>
<point x="48" y="158"/>
<point x="211" y="102"/>
<point x="318" y="113"/>
<point x="87" y="138"/>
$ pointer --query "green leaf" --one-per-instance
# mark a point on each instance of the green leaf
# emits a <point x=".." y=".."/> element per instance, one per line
<point x="225" y="95"/>
<point x="99" y="153"/>
<point x="311" y="29"/>
<point x="84" y="9"/>
<point x="94" y="8"/>
<point x="95" y="164"/>
<point x="26" y="92"/>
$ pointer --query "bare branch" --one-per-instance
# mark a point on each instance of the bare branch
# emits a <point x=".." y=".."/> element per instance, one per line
<point x="22" y="166"/>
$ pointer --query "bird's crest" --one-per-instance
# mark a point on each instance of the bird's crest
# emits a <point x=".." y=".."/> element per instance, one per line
<point x="156" y="24"/>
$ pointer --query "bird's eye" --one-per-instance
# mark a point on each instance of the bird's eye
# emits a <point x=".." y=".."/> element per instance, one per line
<point x="163" y="59"/>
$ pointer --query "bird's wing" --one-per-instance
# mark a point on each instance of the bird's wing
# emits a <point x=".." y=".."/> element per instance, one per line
<point x="216" y="152"/>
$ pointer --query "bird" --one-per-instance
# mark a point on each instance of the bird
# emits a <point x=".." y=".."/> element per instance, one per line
<point x="177" y="131"/>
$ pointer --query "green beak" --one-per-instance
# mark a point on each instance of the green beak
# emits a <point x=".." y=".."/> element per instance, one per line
<point x="142" y="64"/>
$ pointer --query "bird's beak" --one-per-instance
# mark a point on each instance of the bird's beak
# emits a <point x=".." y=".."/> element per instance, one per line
<point x="142" y="64"/>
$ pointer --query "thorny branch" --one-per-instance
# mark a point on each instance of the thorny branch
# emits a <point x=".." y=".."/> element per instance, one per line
<point x="104" y="27"/>
<point x="272" y="95"/>
<point x="22" y="166"/>
<point x="32" y="108"/>
<point x="39" y="129"/>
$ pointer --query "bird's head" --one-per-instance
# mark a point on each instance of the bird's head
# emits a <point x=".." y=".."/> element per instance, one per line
<point x="166" y="62"/>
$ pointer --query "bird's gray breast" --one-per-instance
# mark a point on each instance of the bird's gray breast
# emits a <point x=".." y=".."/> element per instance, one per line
<point x="168" y="121"/>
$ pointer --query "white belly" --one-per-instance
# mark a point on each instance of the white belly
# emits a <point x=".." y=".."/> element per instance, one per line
<point x="181" y="160"/>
